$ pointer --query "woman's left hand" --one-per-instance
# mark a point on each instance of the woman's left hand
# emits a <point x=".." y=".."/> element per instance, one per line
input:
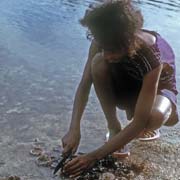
<point x="78" y="165"/>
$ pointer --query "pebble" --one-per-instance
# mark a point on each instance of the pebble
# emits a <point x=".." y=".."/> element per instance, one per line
<point x="36" y="151"/>
<point x="123" y="178"/>
<point x="107" y="176"/>
<point x="43" y="160"/>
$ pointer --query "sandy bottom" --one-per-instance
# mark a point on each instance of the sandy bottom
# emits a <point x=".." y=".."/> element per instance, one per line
<point x="36" y="105"/>
<point x="159" y="160"/>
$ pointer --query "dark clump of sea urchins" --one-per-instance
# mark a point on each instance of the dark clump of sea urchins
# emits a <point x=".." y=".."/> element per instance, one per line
<point x="109" y="168"/>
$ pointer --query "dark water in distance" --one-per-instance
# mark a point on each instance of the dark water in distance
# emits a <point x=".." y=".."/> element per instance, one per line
<point x="43" y="48"/>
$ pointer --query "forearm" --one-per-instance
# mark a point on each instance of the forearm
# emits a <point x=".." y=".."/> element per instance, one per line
<point x="80" y="102"/>
<point x="83" y="90"/>
<point x="147" y="96"/>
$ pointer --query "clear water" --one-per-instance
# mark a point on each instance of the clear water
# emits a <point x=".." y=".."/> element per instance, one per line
<point x="43" y="48"/>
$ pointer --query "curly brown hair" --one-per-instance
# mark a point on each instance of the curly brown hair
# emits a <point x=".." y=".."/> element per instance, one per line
<point x="114" y="24"/>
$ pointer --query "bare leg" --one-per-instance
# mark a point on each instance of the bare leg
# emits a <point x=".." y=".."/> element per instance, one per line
<point x="103" y="86"/>
<point x="160" y="115"/>
<point x="161" y="112"/>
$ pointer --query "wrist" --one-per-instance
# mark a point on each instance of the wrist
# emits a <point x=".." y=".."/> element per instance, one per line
<point x="92" y="156"/>
<point x="95" y="155"/>
<point x="75" y="131"/>
<point x="75" y="127"/>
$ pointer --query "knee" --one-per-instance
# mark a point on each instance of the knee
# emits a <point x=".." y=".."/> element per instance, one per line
<point x="98" y="66"/>
<point x="156" y="120"/>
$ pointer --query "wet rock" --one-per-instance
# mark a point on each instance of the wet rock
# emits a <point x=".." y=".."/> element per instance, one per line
<point x="44" y="160"/>
<point x="36" y="151"/>
<point x="122" y="178"/>
<point x="140" y="177"/>
<point x="108" y="168"/>
<point x="107" y="176"/>
<point x="14" y="178"/>
<point x="11" y="178"/>
<point x="131" y="174"/>
<point x="57" y="149"/>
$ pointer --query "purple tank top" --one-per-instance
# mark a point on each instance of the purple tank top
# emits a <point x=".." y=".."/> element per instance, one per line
<point x="148" y="58"/>
<point x="130" y="72"/>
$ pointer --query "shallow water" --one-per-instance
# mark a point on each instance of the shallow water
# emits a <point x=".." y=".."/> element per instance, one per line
<point x="43" y="32"/>
<point x="43" y="50"/>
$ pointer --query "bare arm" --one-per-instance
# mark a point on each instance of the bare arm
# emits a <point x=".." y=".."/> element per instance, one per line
<point x="71" y="139"/>
<point x="142" y="112"/>
<point x="83" y="90"/>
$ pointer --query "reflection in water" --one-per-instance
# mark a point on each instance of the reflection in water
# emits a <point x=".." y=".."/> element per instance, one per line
<point x="37" y="18"/>
<point x="50" y="23"/>
<point x="50" y="28"/>
<point x="169" y="5"/>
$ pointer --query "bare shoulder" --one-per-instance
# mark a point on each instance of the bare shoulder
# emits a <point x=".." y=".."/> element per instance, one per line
<point x="94" y="48"/>
<point x="148" y="38"/>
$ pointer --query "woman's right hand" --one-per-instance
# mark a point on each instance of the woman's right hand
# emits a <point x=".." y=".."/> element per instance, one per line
<point x="71" y="141"/>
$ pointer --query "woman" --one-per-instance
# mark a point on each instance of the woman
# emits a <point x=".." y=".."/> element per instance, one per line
<point x="132" y="69"/>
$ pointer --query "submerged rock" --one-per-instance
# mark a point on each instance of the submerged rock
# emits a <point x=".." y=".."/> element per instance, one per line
<point x="11" y="178"/>
<point x="36" y="151"/>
